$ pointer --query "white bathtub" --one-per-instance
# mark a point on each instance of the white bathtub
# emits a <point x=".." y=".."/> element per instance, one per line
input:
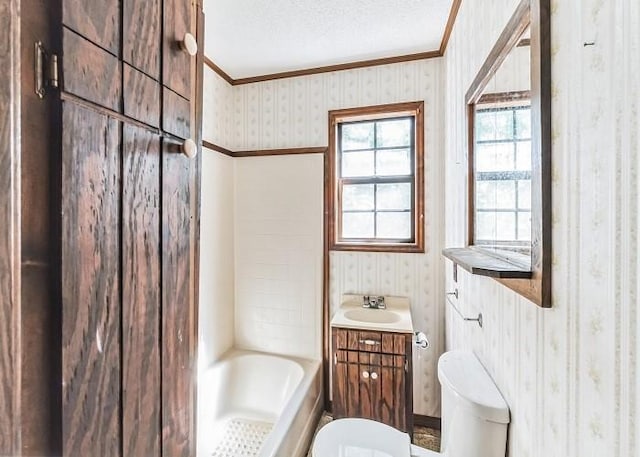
<point x="255" y="404"/>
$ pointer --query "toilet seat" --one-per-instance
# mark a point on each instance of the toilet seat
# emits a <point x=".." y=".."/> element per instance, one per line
<point x="364" y="438"/>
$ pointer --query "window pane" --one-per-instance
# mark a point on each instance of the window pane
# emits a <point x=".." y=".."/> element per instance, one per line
<point x="485" y="226"/>
<point x="524" y="194"/>
<point x="494" y="125"/>
<point x="357" y="136"/>
<point x="357" y="164"/>
<point x="524" y="226"/>
<point x="358" y="197"/>
<point x="357" y="225"/>
<point x="484" y="126"/>
<point x="499" y="226"/>
<point x="506" y="226"/>
<point x="393" y="196"/>
<point x="523" y="123"/>
<point x="394" y="133"/>
<point x="496" y="194"/>
<point x="523" y="155"/>
<point x="393" y="162"/>
<point x="494" y="157"/>
<point x="394" y="225"/>
<point x="486" y="194"/>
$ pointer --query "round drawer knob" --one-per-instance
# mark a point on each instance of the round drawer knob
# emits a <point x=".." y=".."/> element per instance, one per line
<point x="189" y="44"/>
<point x="189" y="148"/>
<point x="365" y="374"/>
<point x="374" y="375"/>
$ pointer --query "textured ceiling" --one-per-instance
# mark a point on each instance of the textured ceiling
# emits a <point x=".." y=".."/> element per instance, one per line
<point x="256" y="37"/>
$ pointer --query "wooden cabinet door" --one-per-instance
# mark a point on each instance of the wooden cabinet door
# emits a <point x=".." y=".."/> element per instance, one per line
<point x="176" y="63"/>
<point x="373" y="384"/>
<point x="91" y="343"/>
<point x="178" y="313"/>
<point x="129" y="219"/>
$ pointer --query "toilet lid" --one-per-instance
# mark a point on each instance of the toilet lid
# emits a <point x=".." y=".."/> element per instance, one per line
<point x="360" y="438"/>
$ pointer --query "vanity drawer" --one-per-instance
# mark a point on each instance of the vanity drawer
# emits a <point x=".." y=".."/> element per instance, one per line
<point x="371" y="341"/>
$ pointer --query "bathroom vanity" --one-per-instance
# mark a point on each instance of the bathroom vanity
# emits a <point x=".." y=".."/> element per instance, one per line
<point x="372" y="362"/>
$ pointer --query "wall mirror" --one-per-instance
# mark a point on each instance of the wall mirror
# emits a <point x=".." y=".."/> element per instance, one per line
<point x="509" y="159"/>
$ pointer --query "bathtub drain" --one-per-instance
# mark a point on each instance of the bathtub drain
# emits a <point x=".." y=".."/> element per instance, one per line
<point x="242" y="438"/>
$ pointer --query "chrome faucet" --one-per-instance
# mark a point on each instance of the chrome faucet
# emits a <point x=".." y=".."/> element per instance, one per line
<point x="373" y="302"/>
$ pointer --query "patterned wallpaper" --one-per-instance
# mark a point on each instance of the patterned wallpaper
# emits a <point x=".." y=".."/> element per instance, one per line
<point x="216" y="109"/>
<point x="293" y="113"/>
<point x="570" y="373"/>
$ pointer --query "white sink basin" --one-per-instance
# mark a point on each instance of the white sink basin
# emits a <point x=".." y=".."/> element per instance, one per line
<point x="372" y="316"/>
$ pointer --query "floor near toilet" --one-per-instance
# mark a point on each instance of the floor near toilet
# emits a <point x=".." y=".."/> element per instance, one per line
<point x="427" y="438"/>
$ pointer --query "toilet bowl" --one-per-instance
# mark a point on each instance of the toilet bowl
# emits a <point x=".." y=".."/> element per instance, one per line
<point x="475" y="418"/>
<point x="364" y="438"/>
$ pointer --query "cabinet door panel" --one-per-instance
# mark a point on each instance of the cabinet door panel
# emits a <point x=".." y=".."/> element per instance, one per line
<point x="176" y="73"/>
<point x="176" y="112"/>
<point x="177" y="295"/>
<point x="141" y="35"/>
<point x="353" y="390"/>
<point x="90" y="289"/>
<point x="90" y="72"/>
<point x="141" y="293"/>
<point x="98" y="21"/>
<point x="340" y="389"/>
<point x="141" y="97"/>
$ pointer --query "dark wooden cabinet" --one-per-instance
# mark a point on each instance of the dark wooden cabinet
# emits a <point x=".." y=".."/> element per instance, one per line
<point x="372" y="376"/>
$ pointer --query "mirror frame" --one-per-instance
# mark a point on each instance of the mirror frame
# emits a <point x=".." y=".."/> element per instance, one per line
<point x="536" y="15"/>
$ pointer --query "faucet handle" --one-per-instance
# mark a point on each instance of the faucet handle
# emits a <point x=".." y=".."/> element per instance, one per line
<point x="380" y="302"/>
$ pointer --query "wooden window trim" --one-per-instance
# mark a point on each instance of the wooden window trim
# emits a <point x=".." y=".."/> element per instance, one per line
<point x="376" y="112"/>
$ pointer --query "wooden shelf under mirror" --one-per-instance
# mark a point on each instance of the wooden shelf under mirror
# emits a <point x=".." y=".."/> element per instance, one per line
<point x="509" y="159"/>
<point x="481" y="262"/>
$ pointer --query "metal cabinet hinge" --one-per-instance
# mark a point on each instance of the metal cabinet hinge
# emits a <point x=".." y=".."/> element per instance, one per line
<point x="46" y="71"/>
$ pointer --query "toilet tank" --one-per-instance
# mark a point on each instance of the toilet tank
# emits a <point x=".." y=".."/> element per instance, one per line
<point x="475" y="416"/>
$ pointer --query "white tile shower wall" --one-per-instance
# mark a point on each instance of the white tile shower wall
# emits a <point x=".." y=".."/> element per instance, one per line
<point x="570" y="373"/>
<point x="216" y="314"/>
<point x="278" y="203"/>
<point x="216" y="109"/>
<point x="294" y="113"/>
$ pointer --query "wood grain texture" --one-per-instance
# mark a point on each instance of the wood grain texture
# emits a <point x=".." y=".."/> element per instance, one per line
<point x="478" y="262"/>
<point x="98" y="21"/>
<point x="141" y="293"/>
<point x="370" y="381"/>
<point x="90" y="72"/>
<point x="176" y="63"/>
<point x="176" y="114"/>
<point x="177" y="306"/>
<point x="90" y="289"/>
<point x="9" y="233"/>
<point x="141" y="97"/>
<point x="142" y="24"/>
<point x="40" y="326"/>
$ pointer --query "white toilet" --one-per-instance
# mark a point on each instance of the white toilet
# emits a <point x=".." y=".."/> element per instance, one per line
<point x="475" y="418"/>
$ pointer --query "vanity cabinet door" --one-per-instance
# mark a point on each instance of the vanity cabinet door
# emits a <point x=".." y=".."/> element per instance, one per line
<point x="373" y="384"/>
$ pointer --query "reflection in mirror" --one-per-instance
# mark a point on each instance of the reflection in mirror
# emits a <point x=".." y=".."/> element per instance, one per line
<point x="502" y="156"/>
<point x="509" y="158"/>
